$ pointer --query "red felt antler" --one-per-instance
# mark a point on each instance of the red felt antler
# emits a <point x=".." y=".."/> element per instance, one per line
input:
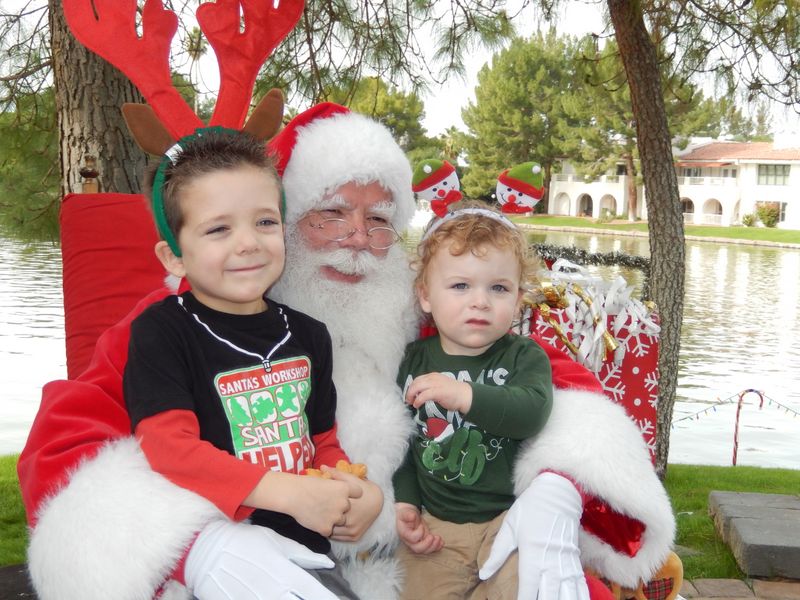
<point x="241" y="53"/>
<point x="108" y="28"/>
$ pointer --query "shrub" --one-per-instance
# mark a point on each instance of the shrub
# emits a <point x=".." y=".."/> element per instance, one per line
<point x="606" y="216"/>
<point x="768" y="213"/>
<point x="749" y="220"/>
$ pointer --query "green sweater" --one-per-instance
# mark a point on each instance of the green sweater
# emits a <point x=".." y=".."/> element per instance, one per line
<point x="459" y="467"/>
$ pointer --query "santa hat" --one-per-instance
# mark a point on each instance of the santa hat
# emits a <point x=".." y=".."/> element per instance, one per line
<point x="429" y="172"/>
<point x="327" y="146"/>
<point x="525" y="178"/>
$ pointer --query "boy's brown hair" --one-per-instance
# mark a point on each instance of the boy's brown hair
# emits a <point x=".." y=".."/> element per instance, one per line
<point x="214" y="149"/>
<point x="472" y="232"/>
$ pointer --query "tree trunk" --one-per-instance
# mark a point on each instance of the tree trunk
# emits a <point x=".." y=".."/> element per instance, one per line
<point x="667" y="250"/>
<point x="547" y="176"/>
<point x="89" y="95"/>
<point x="633" y="197"/>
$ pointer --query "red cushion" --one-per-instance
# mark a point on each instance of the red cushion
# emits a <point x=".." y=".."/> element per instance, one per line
<point x="109" y="265"/>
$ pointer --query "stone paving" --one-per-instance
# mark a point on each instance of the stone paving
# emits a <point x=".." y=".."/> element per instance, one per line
<point x="14" y="585"/>
<point x="736" y="589"/>
<point x="762" y="530"/>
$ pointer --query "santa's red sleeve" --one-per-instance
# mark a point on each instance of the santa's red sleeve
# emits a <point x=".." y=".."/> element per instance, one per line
<point x="103" y="523"/>
<point x="628" y="526"/>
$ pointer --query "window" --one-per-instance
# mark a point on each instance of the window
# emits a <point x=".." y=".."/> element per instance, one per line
<point x="691" y="171"/>
<point x="773" y="174"/>
<point x="782" y="217"/>
<point x="729" y="173"/>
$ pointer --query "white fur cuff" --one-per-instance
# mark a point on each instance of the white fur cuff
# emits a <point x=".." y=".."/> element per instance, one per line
<point x="115" y="531"/>
<point x="593" y="441"/>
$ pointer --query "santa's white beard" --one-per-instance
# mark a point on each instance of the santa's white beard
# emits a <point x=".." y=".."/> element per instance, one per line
<point x="371" y="320"/>
<point x="370" y="323"/>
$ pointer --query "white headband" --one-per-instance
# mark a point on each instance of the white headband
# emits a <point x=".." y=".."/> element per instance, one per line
<point x="468" y="211"/>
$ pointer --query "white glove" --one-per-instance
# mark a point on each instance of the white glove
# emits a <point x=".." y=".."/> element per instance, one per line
<point x="239" y="561"/>
<point x="543" y="524"/>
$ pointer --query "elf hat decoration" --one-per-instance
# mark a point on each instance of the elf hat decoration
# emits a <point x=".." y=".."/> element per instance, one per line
<point x="526" y="178"/>
<point x="519" y="189"/>
<point x="327" y="146"/>
<point x="437" y="182"/>
<point x="430" y="172"/>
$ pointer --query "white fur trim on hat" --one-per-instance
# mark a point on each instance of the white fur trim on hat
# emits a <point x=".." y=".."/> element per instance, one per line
<point x="346" y="147"/>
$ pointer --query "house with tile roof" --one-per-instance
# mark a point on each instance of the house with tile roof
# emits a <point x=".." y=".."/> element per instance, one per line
<point x="719" y="182"/>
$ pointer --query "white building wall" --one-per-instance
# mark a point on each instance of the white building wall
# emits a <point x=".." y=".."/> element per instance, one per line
<point x="753" y="193"/>
<point x="737" y="195"/>
<point x="710" y="187"/>
<point x="567" y="188"/>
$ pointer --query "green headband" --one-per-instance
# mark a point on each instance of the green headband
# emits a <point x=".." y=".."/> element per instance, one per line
<point x="171" y="158"/>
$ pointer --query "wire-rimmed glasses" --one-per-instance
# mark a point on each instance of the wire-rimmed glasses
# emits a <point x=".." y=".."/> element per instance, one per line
<point x="338" y="230"/>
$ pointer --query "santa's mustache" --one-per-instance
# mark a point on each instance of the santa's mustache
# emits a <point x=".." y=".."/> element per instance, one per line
<point x="351" y="262"/>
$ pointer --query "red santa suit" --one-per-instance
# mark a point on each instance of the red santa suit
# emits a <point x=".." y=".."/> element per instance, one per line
<point x="104" y="525"/>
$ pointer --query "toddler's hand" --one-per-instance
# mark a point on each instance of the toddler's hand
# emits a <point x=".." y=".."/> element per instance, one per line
<point x="444" y="390"/>
<point x="413" y="530"/>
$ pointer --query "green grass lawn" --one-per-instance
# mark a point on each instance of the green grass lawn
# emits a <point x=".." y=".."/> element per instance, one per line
<point x="740" y="233"/>
<point x="688" y="487"/>
<point x="13" y="532"/>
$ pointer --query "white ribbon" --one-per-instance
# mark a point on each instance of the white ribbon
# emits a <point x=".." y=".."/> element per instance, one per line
<point x="590" y="320"/>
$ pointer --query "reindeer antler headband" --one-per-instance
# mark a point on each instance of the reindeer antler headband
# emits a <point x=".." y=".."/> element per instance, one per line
<point x="108" y="28"/>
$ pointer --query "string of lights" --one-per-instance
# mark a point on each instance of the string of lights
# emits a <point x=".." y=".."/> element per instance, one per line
<point x="734" y="398"/>
<point x="739" y="399"/>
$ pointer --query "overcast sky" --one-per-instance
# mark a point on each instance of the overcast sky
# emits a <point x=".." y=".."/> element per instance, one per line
<point x="443" y="105"/>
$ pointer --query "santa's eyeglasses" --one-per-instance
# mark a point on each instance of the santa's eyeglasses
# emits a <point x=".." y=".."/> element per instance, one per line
<point x="338" y="230"/>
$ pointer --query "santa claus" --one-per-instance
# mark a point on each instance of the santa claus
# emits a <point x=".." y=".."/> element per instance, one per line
<point x="104" y="525"/>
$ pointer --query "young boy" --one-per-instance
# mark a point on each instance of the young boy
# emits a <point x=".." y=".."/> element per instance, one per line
<point x="477" y="392"/>
<point x="229" y="393"/>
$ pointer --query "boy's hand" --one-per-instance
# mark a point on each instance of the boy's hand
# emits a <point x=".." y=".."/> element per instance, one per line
<point x="366" y="501"/>
<point x="444" y="390"/>
<point x="319" y="504"/>
<point x="413" y="530"/>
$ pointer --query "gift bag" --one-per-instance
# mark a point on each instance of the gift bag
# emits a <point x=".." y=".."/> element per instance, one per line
<point x="601" y="325"/>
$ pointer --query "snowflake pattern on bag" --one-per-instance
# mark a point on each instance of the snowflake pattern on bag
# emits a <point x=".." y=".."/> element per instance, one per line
<point x="633" y="383"/>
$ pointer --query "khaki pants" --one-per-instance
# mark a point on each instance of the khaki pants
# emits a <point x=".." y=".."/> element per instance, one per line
<point x="452" y="573"/>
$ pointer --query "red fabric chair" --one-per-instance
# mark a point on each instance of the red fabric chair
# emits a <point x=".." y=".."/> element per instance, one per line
<point x="108" y="266"/>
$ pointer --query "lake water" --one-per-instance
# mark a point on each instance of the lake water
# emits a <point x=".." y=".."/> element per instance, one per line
<point x="31" y="334"/>
<point x="741" y="330"/>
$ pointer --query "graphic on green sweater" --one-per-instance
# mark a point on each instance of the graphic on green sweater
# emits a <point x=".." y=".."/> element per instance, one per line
<point x="452" y="447"/>
<point x="266" y="413"/>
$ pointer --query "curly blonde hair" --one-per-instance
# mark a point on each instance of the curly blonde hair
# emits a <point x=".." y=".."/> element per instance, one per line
<point x="472" y="232"/>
